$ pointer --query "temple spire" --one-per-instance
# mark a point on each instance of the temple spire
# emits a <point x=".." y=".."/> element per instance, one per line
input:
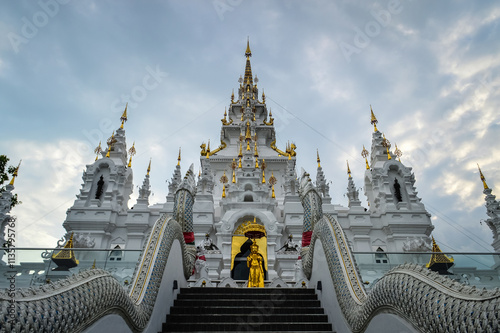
<point x="248" y="79"/>
<point x="482" y="177"/>
<point x="149" y="168"/>
<point x="374" y="120"/>
<point x="14" y="175"/>
<point x="123" y="118"/>
<point x="179" y="157"/>
<point x="317" y="158"/>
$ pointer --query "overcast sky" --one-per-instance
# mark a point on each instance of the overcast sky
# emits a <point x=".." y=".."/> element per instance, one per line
<point x="430" y="69"/>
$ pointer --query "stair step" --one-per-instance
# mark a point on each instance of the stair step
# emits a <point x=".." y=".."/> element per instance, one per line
<point x="246" y="310"/>
<point x="244" y="326"/>
<point x="260" y="296"/>
<point x="252" y="317"/>
<point x="246" y="302"/>
<point x="243" y="309"/>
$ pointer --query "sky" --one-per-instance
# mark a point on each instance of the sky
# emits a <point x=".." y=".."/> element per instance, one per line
<point x="429" y="69"/>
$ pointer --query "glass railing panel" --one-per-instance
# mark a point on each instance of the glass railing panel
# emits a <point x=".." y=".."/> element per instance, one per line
<point x="24" y="267"/>
<point x="477" y="269"/>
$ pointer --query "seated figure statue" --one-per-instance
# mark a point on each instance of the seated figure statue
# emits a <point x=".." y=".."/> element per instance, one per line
<point x="290" y="246"/>
<point x="207" y="244"/>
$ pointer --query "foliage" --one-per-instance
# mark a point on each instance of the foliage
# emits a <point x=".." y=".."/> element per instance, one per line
<point x="4" y="176"/>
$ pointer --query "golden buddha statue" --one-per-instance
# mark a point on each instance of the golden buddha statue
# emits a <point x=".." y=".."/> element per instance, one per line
<point x="254" y="261"/>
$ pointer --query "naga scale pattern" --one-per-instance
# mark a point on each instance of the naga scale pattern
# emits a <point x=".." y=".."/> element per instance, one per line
<point x="75" y="303"/>
<point x="431" y="302"/>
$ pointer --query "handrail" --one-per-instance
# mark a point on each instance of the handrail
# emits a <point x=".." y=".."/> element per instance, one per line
<point x="429" y="301"/>
<point x="75" y="303"/>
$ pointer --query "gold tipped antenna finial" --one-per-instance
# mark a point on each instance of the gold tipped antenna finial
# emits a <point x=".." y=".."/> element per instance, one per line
<point x="374" y="120"/>
<point x="98" y="150"/>
<point x="123" y="118"/>
<point x="317" y="158"/>
<point x="248" y="52"/>
<point x="14" y="175"/>
<point x="482" y="177"/>
<point x="132" y="152"/>
<point x="348" y="169"/>
<point x="149" y="167"/>
<point x="179" y="157"/>
<point x="365" y="153"/>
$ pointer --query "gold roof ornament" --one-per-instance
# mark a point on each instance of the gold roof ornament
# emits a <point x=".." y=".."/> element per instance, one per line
<point x="398" y="152"/>
<point x="123" y="118"/>
<point x="248" y="52"/>
<point x="65" y="258"/>
<point x="15" y="173"/>
<point x="439" y="262"/>
<point x="111" y="141"/>
<point x="232" y="97"/>
<point x="263" y="97"/>
<point x="224" y="178"/>
<point x="98" y="150"/>
<point x="256" y="152"/>
<point x="263" y="166"/>
<point x="234" y="178"/>
<point x="179" y="157"/>
<point x="149" y="167"/>
<point x="482" y="178"/>
<point x="317" y="158"/>
<point x="132" y="152"/>
<point x="251" y="229"/>
<point x="223" y="190"/>
<point x="272" y="181"/>
<point x="348" y="169"/>
<point x="93" y="265"/>
<point x="365" y="153"/>
<point x="374" y="120"/>
<point x="387" y="144"/>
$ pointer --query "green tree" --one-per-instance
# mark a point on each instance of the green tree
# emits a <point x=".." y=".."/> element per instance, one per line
<point x="4" y="176"/>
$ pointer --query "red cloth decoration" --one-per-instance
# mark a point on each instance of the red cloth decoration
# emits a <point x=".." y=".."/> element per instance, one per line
<point x="189" y="237"/>
<point x="306" y="238"/>
<point x="202" y="258"/>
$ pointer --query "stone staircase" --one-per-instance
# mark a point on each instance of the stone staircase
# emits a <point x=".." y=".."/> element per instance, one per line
<point x="246" y="310"/>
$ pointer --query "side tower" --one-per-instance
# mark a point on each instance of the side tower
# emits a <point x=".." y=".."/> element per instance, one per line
<point x="397" y="215"/>
<point x="493" y="211"/>
<point x="102" y="202"/>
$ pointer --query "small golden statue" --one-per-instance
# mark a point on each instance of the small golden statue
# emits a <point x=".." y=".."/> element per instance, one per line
<point x="254" y="261"/>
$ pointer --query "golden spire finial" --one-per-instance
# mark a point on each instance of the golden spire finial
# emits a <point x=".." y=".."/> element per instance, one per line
<point x="482" y="178"/>
<point x="256" y="163"/>
<point x="398" y="152"/>
<point x="93" y="265"/>
<point x="98" y="150"/>
<point x="263" y="173"/>
<point x="132" y="152"/>
<point x="110" y="143"/>
<point x="386" y="144"/>
<point x="234" y="178"/>
<point x="149" y="167"/>
<point x="317" y="158"/>
<point x="248" y="52"/>
<point x="223" y="190"/>
<point x="365" y="153"/>
<point x="232" y="97"/>
<point x="263" y="97"/>
<point x="14" y="175"/>
<point x="179" y="157"/>
<point x="273" y="195"/>
<point x="239" y="161"/>
<point x="348" y="169"/>
<point x="240" y="154"/>
<point x="123" y="118"/>
<point x="374" y="120"/>
<point x="256" y="152"/>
